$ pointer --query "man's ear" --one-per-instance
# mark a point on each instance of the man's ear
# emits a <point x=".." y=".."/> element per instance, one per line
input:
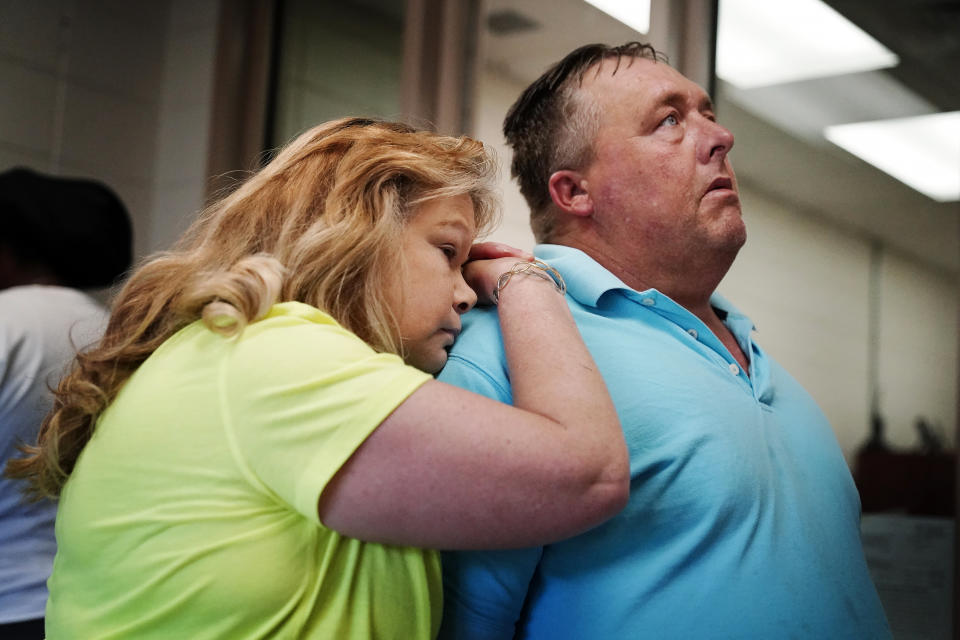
<point x="569" y="191"/>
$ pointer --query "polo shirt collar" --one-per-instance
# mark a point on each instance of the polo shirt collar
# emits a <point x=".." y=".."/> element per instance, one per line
<point x="587" y="281"/>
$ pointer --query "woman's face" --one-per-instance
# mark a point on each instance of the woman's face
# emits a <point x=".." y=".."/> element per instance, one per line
<point x="429" y="294"/>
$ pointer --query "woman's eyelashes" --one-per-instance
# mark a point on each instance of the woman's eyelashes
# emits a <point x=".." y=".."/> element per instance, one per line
<point x="455" y="252"/>
<point x="450" y="251"/>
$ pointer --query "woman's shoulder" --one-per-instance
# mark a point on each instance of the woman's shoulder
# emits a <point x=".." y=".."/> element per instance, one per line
<point x="297" y="333"/>
<point x="297" y="321"/>
<point x="297" y="313"/>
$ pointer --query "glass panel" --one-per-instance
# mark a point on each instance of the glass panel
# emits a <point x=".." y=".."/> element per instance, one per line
<point x="335" y="59"/>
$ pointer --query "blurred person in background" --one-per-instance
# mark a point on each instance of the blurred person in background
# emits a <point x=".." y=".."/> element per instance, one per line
<point x="60" y="236"/>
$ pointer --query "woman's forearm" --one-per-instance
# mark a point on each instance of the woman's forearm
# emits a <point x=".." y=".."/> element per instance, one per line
<point x="553" y="374"/>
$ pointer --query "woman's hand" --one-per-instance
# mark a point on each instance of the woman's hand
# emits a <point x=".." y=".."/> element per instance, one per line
<point x="488" y="260"/>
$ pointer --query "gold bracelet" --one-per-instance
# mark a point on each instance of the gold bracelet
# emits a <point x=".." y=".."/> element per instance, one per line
<point x="537" y="268"/>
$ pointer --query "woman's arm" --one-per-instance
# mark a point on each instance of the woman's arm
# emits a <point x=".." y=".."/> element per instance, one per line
<point x="452" y="469"/>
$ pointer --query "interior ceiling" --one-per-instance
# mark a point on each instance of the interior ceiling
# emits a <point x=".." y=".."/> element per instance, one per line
<point x="926" y="36"/>
<point x="780" y="148"/>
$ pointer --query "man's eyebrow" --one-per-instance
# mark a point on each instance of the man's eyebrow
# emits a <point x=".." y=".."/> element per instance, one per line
<point x="677" y="98"/>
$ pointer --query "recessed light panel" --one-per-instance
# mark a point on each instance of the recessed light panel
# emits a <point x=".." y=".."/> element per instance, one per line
<point x="921" y="151"/>
<point x="763" y="43"/>
<point x="633" y="13"/>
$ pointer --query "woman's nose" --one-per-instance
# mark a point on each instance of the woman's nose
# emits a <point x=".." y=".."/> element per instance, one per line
<point x="465" y="297"/>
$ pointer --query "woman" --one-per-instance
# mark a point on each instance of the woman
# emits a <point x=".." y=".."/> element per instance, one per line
<point x="263" y="464"/>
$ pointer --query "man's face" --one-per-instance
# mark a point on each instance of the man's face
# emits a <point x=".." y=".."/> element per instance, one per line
<point x="660" y="176"/>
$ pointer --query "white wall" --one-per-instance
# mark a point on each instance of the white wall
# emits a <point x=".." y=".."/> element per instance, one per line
<point x="805" y="282"/>
<point x="494" y="95"/>
<point x="79" y="93"/>
<point x="918" y="348"/>
<point x="183" y="134"/>
<point x="111" y="90"/>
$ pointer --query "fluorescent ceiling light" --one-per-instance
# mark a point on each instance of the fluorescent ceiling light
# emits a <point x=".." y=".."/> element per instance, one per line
<point x="921" y="151"/>
<point x="762" y="43"/>
<point x="633" y="13"/>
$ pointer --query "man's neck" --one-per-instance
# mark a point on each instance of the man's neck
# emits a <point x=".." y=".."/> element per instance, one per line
<point x="690" y="285"/>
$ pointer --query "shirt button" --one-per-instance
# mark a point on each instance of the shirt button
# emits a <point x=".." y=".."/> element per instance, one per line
<point x="648" y="302"/>
<point x="734" y="369"/>
<point x="692" y="332"/>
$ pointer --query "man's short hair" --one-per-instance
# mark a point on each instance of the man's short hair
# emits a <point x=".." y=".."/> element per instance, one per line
<point x="552" y="125"/>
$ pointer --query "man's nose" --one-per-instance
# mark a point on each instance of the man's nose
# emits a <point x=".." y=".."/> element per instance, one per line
<point x="720" y="141"/>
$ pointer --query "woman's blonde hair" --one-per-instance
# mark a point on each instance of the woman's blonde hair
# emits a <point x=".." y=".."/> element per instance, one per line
<point x="319" y="224"/>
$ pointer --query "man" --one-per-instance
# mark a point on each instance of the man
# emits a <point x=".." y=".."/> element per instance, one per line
<point x="59" y="235"/>
<point x="743" y="520"/>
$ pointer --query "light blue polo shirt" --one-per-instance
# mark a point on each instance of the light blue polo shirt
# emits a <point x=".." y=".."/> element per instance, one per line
<point x="743" y="519"/>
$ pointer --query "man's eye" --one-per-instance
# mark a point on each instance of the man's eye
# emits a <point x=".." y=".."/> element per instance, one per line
<point x="449" y="251"/>
<point x="670" y="121"/>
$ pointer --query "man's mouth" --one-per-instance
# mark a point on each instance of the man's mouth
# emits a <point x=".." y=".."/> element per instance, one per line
<point x="720" y="183"/>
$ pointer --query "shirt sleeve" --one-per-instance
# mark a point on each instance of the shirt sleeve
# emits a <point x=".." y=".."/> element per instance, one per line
<point x="299" y="398"/>
<point x="484" y="591"/>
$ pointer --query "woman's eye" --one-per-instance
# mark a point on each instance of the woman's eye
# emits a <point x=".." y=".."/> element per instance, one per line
<point x="449" y="251"/>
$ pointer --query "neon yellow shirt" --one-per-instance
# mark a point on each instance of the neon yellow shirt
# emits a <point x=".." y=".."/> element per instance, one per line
<point x="192" y="512"/>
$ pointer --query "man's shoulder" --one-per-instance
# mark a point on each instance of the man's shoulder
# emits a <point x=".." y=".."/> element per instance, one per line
<point x="477" y="360"/>
<point x="480" y="334"/>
